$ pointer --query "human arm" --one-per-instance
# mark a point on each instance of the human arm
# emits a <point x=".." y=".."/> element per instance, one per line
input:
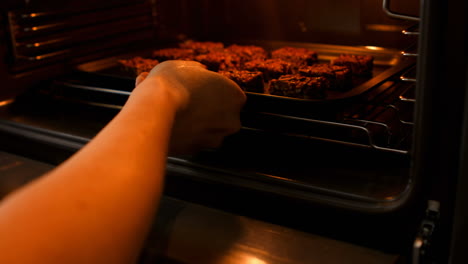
<point x="98" y="206"/>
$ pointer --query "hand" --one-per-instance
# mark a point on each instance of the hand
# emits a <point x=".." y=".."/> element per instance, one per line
<point x="208" y="104"/>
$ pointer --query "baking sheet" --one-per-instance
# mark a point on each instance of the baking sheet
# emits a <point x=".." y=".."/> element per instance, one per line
<point x="387" y="63"/>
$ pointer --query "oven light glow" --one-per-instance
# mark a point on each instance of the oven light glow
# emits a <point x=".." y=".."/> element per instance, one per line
<point x="33" y="15"/>
<point x="6" y="102"/>
<point x="374" y="48"/>
<point x="34" y="28"/>
<point x="254" y="260"/>
<point x="384" y="28"/>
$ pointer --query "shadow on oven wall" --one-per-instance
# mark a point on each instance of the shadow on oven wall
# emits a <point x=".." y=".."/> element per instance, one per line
<point x="342" y="22"/>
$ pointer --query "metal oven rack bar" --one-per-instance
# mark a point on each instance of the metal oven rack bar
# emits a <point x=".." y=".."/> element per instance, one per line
<point x="390" y="13"/>
<point x="366" y="132"/>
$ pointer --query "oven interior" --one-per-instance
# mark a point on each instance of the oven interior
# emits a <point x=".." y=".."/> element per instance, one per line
<point x="350" y="156"/>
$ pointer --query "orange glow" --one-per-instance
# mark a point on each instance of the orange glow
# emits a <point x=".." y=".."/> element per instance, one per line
<point x="33" y="15"/>
<point x="6" y="102"/>
<point x="384" y="28"/>
<point x="254" y="260"/>
<point x="374" y="48"/>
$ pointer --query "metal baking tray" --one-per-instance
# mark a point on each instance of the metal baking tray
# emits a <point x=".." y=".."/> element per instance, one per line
<point x="387" y="63"/>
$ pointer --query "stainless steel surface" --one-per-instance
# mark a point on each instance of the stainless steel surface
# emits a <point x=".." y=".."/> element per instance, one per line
<point x="405" y="99"/>
<point x="409" y="54"/>
<point x="409" y="75"/>
<point x="198" y="234"/>
<point x="412" y="31"/>
<point x="386" y="8"/>
<point x="96" y="89"/>
<point x="411" y="51"/>
<point x="396" y="109"/>
<point x="340" y="22"/>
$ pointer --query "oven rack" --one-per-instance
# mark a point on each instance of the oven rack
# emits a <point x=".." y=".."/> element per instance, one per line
<point x="376" y="123"/>
<point x="381" y="121"/>
<point x="40" y="37"/>
<point x="352" y="132"/>
<point x="362" y="135"/>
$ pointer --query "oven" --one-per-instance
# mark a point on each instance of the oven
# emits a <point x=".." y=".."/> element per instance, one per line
<point x="379" y="168"/>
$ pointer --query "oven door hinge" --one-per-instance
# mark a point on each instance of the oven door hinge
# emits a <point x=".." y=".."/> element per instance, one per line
<point x="423" y="238"/>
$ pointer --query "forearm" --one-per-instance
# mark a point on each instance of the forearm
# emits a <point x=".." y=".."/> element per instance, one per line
<point x="97" y="206"/>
